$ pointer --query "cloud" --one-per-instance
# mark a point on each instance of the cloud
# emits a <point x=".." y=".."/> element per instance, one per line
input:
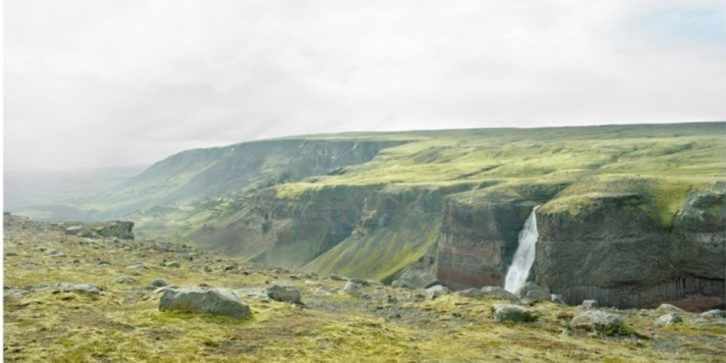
<point x="99" y="83"/>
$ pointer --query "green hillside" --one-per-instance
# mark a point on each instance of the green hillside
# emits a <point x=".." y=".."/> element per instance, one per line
<point x="369" y="204"/>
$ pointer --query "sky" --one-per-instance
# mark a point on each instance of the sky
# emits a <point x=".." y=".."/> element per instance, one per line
<point x="105" y="83"/>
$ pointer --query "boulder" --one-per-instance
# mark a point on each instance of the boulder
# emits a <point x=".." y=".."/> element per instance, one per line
<point x="669" y="319"/>
<point x="116" y="229"/>
<point x="714" y="314"/>
<point x="599" y="321"/>
<point x="590" y="304"/>
<point x="513" y="313"/>
<point x="418" y="275"/>
<point x="158" y="283"/>
<point x="284" y="293"/>
<point x="532" y="291"/>
<point x="174" y="264"/>
<point x="497" y="292"/>
<point x="353" y="287"/>
<point x="557" y="299"/>
<point x="435" y="291"/>
<point x="204" y="300"/>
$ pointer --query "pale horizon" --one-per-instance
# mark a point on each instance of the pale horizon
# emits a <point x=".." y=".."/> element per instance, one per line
<point x="97" y="84"/>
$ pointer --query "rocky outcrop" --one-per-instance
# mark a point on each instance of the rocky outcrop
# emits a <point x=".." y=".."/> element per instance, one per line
<point x="477" y="242"/>
<point x="113" y="229"/>
<point x="601" y="322"/>
<point x="615" y="251"/>
<point x="513" y="313"/>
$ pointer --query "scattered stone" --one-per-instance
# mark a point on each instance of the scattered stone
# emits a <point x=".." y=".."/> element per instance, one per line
<point x="158" y="283"/>
<point x="391" y="299"/>
<point x="669" y="319"/>
<point x="10" y="253"/>
<point x="204" y="300"/>
<point x="352" y="287"/>
<point x="600" y="322"/>
<point x="68" y="287"/>
<point x="253" y="292"/>
<point x="472" y="293"/>
<point x="172" y="264"/>
<point x="103" y="262"/>
<point x="498" y="293"/>
<point x="714" y="314"/>
<point x="284" y="293"/>
<point x="534" y="292"/>
<point x="73" y="230"/>
<point x="116" y="229"/>
<point x="136" y="266"/>
<point x="125" y="279"/>
<point x="54" y="253"/>
<point x="513" y="313"/>
<point x="557" y="299"/>
<point x="435" y="291"/>
<point x="590" y="304"/>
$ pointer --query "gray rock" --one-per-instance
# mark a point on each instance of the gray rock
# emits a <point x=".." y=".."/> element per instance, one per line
<point x="158" y="283"/>
<point x="497" y="292"/>
<point x="590" y="304"/>
<point x="599" y="321"/>
<point x="714" y="314"/>
<point x="534" y="292"/>
<point x="73" y="230"/>
<point x="116" y="229"/>
<point x="103" y="262"/>
<point x="471" y="292"/>
<point x="10" y="253"/>
<point x="204" y="300"/>
<point x="669" y="319"/>
<point x="172" y="264"/>
<point x="353" y="287"/>
<point x="125" y="279"/>
<point x="557" y="299"/>
<point x="284" y="293"/>
<point x="435" y="291"/>
<point x="513" y="313"/>
<point x="136" y="266"/>
<point x="418" y="275"/>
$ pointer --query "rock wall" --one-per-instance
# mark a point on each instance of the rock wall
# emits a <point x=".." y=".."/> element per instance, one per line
<point x="615" y="252"/>
<point x="477" y="242"/>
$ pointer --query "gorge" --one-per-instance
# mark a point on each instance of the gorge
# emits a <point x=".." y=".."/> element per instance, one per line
<point x="630" y="215"/>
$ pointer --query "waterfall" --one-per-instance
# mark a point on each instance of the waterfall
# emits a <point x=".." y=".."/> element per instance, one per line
<point x="524" y="257"/>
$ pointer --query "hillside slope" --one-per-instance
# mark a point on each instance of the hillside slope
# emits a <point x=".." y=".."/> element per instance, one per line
<point x="370" y="204"/>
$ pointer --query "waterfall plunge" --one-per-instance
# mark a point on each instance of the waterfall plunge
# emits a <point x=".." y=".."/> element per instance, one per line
<point x="524" y="257"/>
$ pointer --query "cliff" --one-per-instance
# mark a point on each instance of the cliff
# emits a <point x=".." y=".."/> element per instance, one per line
<point x="631" y="215"/>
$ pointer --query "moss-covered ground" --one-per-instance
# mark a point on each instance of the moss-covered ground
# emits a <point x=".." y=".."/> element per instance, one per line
<point x="122" y="323"/>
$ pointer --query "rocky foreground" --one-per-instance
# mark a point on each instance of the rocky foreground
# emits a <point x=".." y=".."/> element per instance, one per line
<point x="78" y="293"/>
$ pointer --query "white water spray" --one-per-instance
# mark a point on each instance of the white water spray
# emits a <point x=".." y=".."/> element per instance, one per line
<point x="524" y="257"/>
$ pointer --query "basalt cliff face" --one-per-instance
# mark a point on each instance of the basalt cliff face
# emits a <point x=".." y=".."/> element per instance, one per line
<point x="615" y="252"/>
<point x="630" y="215"/>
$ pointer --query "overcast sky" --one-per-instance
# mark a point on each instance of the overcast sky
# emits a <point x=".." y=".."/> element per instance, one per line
<point x="92" y="83"/>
